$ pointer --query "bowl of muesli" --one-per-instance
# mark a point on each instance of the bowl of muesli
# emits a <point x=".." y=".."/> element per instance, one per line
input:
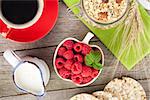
<point x="103" y="13"/>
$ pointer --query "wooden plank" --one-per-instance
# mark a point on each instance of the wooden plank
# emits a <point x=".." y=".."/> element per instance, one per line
<point x="6" y="74"/>
<point x="46" y="46"/>
<point x="59" y="95"/>
<point x="7" y="87"/>
<point x="65" y="26"/>
<point x="56" y="95"/>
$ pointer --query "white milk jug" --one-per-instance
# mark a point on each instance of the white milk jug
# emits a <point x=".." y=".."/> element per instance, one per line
<point x="30" y="74"/>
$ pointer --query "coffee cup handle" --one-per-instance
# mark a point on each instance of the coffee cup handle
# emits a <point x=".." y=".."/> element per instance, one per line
<point x="12" y="58"/>
<point x="4" y="30"/>
<point x="88" y="37"/>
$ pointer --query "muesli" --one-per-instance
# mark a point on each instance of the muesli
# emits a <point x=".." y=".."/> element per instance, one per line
<point x="105" y="11"/>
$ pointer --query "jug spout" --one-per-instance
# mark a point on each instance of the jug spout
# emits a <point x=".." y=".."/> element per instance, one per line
<point x="40" y="93"/>
<point x="11" y="58"/>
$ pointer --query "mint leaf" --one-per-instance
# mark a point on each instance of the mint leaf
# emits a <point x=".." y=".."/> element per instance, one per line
<point x="93" y="60"/>
<point x="99" y="65"/>
<point x="95" y="66"/>
<point x="97" y="56"/>
<point x="89" y="60"/>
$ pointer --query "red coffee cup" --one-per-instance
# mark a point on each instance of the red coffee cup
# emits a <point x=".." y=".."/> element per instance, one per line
<point x="34" y="29"/>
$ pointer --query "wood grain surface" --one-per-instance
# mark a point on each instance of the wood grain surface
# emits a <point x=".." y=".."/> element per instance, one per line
<point x="58" y="89"/>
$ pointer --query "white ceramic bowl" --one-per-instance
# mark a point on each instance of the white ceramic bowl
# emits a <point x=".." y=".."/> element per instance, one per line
<point x="84" y="41"/>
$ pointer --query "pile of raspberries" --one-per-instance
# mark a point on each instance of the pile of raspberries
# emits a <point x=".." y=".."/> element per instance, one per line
<point x="71" y="65"/>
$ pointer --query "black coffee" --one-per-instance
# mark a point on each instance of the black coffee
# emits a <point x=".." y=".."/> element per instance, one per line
<point x="19" y="11"/>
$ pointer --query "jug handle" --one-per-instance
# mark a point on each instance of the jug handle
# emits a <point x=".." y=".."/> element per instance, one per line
<point x="12" y="58"/>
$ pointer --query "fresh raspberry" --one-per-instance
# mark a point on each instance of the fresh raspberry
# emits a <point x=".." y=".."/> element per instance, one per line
<point x="86" y="49"/>
<point x="68" y="44"/>
<point x="59" y="63"/>
<point x="86" y="71"/>
<point x="78" y="58"/>
<point x="77" y="78"/>
<point x="61" y="51"/>
<point x="68" y="64"/>
<point x="86" y="79"/>
<point x="77" y="47"/>
<point x="94" y="73"/>
<point x="68" y="54"/>
<point x="76" y="68"/>
<point x="64" y="73"/>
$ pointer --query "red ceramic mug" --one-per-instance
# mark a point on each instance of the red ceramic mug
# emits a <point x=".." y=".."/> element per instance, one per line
<point x="41" y="23"/>
<point x="9" y="25"/>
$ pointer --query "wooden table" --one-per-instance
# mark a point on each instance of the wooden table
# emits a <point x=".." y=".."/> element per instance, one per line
<point x="58" y="89"/>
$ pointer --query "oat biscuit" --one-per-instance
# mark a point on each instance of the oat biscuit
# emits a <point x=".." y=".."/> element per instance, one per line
<point x="101" y="95"/>
<point x="126" y="88"/>
<point x="83" y="96"/>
